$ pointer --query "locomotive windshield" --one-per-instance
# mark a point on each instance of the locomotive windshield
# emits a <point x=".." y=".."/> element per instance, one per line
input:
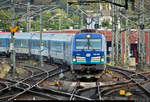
<point x="95" y="43"/>
<point x="81" y="43"/>
<point x="88" y="43"/>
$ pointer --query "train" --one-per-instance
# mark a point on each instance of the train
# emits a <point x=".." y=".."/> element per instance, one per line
<point x="82" y="52"/>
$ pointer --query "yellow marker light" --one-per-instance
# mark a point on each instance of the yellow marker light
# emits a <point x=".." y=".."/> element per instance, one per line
<point x="122" y="92"/>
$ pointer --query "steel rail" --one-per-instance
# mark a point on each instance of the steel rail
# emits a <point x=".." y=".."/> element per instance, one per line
<point x="3" y="85"/>
<point x="105" y="86"/>
<point x="66" y="93"/>
<point x="73" y="91"/>
<point x="99" y="91"/>
<point x="136" y="81"/>
<point x="48" y="93"/>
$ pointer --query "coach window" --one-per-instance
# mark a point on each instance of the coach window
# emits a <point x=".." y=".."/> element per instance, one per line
<point x="57" y="46"/>
<point x="36" y="44"/>
<point x="45" y="44"/>
<point x="24" y="43"/>
<point x="17" y="43"/>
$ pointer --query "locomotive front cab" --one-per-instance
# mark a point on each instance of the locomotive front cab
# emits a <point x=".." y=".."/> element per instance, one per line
<point x="88" y="52"/>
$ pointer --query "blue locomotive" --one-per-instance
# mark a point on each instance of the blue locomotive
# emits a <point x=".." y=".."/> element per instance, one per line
<point x="88" y="52"/>
<point x="83" y="51"/>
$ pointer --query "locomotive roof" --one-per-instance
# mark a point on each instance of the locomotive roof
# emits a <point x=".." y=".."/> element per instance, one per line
<point x="83" y="35"/>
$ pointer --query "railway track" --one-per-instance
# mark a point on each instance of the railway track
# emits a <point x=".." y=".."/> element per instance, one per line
<point x="25" y="84"/>
<point x="34" y="70"/>
<point x="32" y="85"/>
<point x="59" y="94"/>
<point x="33" y="81"/>
<point x="136" y="80"/>
<point x="53" y="94"/>
<point x="8" y="82"/>
<point x="28" y="83"/>
<point x="3" y="85"/>
<point x="93" y="93"/>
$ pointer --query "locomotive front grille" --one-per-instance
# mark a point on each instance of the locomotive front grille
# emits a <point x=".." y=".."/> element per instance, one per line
<point x="95" y="59"/>
<point x="81" y="59"/>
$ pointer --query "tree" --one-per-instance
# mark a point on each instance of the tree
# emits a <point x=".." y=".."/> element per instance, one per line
<point x="105" y="23"/>
<point x="5" y="20"/>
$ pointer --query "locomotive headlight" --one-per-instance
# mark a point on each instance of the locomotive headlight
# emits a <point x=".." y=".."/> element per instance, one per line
<point x="88" y="36"/>
<point x="102" y="59"/>
<point x="74" y="59"/>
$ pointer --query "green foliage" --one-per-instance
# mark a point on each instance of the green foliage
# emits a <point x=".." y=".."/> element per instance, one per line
<point x="105" y="23"/>
<point x="52" y="20"/>
<point x="5" y="20"/>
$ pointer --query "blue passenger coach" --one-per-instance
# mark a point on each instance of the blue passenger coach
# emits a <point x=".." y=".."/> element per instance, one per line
<point x="88" y="52"/>
<point x="4" y="43"/>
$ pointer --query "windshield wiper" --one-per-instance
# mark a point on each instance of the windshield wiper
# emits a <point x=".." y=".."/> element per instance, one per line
<point x="85" y="46"/>
<point x="91" y="47"/>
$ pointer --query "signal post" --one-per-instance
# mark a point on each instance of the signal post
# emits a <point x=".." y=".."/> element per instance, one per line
<point x="12" y="50"/>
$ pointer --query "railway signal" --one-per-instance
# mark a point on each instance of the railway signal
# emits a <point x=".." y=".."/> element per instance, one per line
<point x="13" y="30"/>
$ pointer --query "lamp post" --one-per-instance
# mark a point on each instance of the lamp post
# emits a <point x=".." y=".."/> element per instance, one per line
<point x="41" y="43"/>
<point x="28" y="14"/>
